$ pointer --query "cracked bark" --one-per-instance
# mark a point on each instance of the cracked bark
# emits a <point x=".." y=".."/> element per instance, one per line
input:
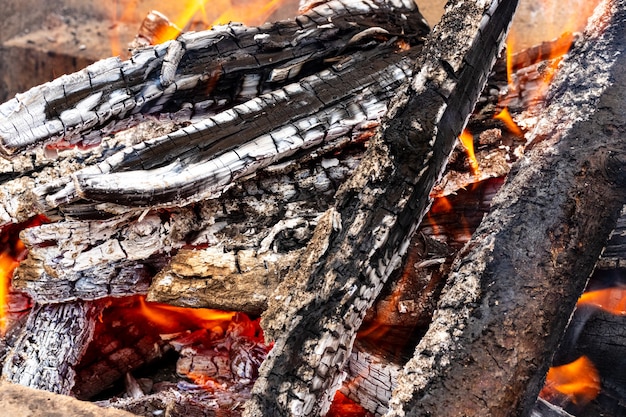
<point x="512" y="290"/>
<point x="362" y="239"/>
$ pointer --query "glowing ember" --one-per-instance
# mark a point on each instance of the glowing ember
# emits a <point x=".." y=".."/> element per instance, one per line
<point x="467" y="139"/>
<point x="343" y="406"/>
<point x="508" y="121"/>
<point x="612" y="300"/>
<point x="7" y="266"/>
<point x="578" y="381"/>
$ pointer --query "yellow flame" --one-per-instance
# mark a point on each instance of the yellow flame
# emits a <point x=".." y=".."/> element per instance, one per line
<point x="467" y="139"/>
<point x="171" y="319"/>
<point x="505" y="117"/>
<point x="578" y="380"/>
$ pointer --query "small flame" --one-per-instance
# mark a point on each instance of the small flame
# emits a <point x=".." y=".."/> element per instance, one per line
<point x="558" y="20"/>
<point x="7" y="266"/>
<point x="508" y="121"/>
<point x="579" y="381"/>
<point x="254" y="12"/>
<point x="612" y="300"/>
<point x="173" y="319"/>
<point x="12" y="252"/>
<point x="467" y="139"/>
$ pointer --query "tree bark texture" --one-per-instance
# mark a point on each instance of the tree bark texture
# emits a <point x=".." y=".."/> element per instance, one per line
<point x="513" y="288"/>
<point x="362" y="239"/>
<point x="50" y="346"/>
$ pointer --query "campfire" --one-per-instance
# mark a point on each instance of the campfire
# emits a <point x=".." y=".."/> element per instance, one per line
<point x="278" y="219"/>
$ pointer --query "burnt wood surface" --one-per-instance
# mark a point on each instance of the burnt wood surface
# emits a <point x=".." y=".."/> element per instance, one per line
<point x="512" y="290"/>
<point x="229" y="62"/>
<point x="362" y="239"/>
<point x="50" y="346"/>
<point x="157" y="232"/>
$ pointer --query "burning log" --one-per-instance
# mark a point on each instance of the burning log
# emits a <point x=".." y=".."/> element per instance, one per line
<point x="362" y="239"/>
<point x="109" y="243"/>
<point x="230" y="62"/>
<point x="511" y="291"/>
<point x="50" y="346"/>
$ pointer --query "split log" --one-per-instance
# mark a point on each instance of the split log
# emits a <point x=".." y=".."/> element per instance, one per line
<point x="512" y="290"/>
<point x="208" y="155"/>
<point x="362" y="239"/>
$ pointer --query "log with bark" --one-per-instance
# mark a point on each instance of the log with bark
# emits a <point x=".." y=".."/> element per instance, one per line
<point x="512" y="290"/>
<point x="109" y="243"/>
<point x="362" y="238"/>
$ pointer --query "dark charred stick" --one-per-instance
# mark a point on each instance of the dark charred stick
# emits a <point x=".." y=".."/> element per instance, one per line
<point x="362" y="239"/>
<point x="202" y="159"/>
<point x="230" y="62"/>
<point x="512" y="290"/>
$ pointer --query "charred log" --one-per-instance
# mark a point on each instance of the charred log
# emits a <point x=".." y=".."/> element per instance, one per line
<point x="513" y="288"/>
<point x="50" y="346"/>
<point x="231" y="61"/>
<point x="363" y="237"/>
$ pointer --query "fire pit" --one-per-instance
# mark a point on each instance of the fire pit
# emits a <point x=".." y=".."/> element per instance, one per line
<point x="256" y="172"/>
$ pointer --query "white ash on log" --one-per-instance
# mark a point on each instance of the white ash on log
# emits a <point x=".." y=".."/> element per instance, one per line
<point x="512" y="290"/>
<point x="362" y="239"/>
<point x="50" y="345"/>
<point x="230" y="62"/>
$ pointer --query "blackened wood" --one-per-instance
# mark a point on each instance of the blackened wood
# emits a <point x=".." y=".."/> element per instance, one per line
<point x="601" y="337"/>
<point x="229" y="62"/>
<point x="50" y="346"/>
<point x="513" y="288"/>
<point x="360" y="241"/>
<point x="199" y="160"/>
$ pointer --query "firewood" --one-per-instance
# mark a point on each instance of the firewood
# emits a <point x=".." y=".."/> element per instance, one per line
<point x="50" y="346"/>
<point x="363" y="237"/>
<point x="230" y="61"/>
<point x="513" y="288"/>
<point x="108" y="260"/>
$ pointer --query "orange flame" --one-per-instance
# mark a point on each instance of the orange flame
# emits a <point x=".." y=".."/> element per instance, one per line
<point x="467" y="139"/>
<point x="508" y="121"/>
<point x="440" y="205"/>
<point x="612" y="300"/>
<point x="578" y="380"/>
<point x="12" y="252"/>
<point x="174" y="319"/>
<point x="557" y="19"/>
<point x="254" y="12"/>
<point x="7" y="266"/>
